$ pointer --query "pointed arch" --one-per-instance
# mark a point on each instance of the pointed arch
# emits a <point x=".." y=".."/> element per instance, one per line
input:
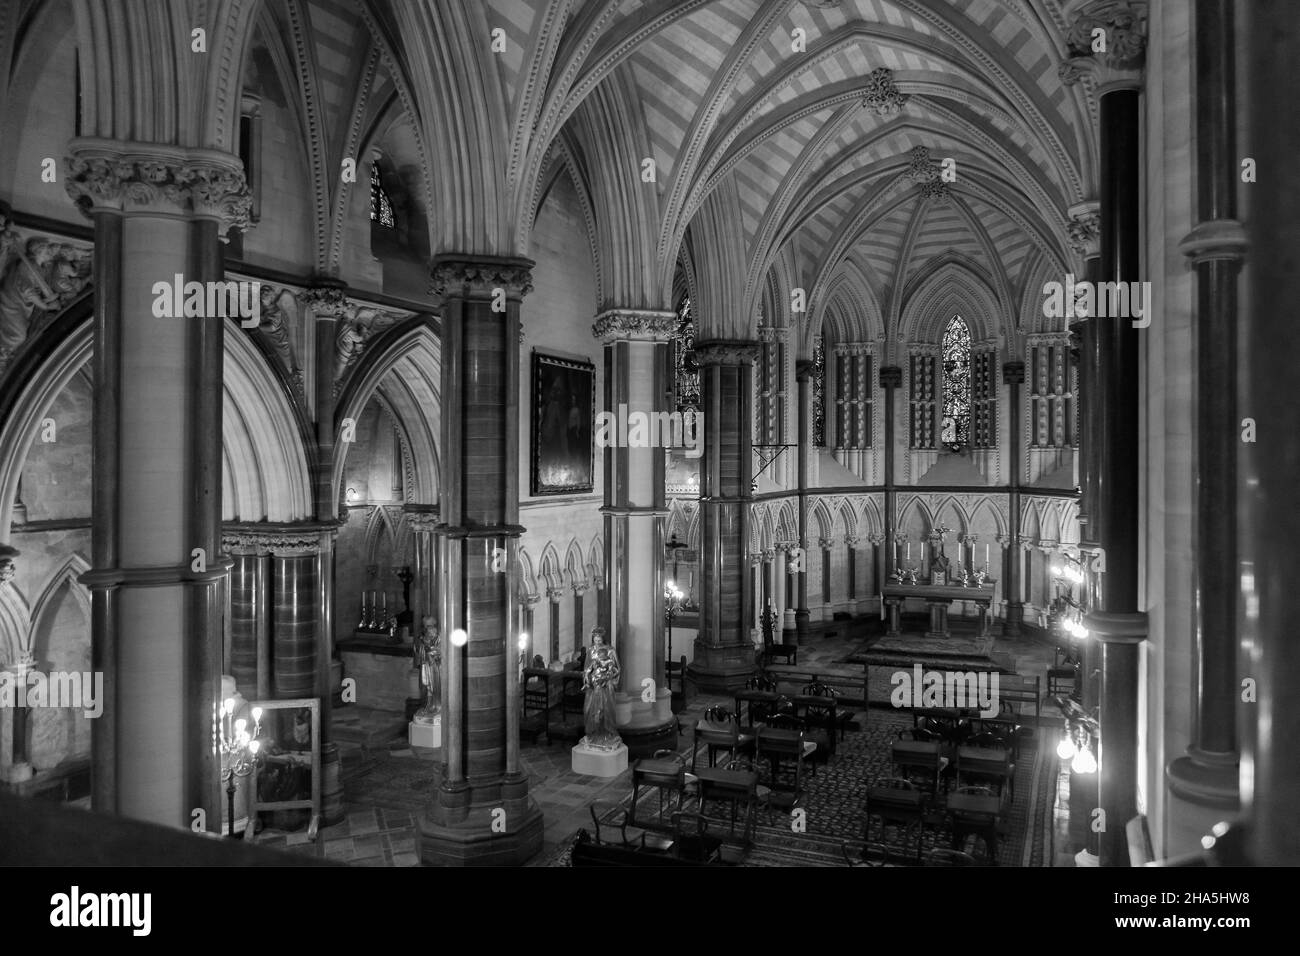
<point x="574" y="565"/>
<point x="525" y="578"/>
<point x="15" y="624"/>
<point x="70" y="572"/>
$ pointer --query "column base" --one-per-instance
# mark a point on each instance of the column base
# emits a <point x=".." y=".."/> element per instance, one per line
<point x="721" y="668"/>
<point x="1204" y="791"/>
<point x="801" y="618"/>
<point x="1015" y="617"/>
<point x="461" y="828"/>
<point x="645" y="727"/>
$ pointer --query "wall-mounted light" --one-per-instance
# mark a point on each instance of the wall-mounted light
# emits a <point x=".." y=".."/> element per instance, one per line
<point x="459" y="638"/>
<point x="352" y="494"/>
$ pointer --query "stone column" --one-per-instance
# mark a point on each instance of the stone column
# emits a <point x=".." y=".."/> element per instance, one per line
<point x="724" y="656"/>
<point x="250" y="625"/>
<point x="1270" y="602"/>
<point x="1113" y="516"/>
<point x="1013" y="376"/>
<point x="803" y="377"/>
<point x="1206" y="778"/>
<point x="478" y="545"/>
<point x="159" y="577"/>
<point x="891" y="379"/>
<point x="15" y="766"/>
<point x="637" y="378"/>
<point x="1085" y="240"/>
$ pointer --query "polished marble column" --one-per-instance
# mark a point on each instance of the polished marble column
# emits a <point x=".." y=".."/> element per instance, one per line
<point x="159" y="577"/>
<point x="481" y="813"/>
<point x="724" y="655"/>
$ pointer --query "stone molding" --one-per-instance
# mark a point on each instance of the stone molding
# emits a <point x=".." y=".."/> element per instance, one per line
<point x="275" y="539"/>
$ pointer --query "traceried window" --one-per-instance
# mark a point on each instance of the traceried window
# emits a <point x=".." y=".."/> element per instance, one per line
<point x="381" y="210"/>
<point x="686" y="373"/>
<point x="956" y="384"/>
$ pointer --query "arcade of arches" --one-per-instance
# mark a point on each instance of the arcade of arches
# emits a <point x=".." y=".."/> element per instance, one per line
<point x="825" y="233"/>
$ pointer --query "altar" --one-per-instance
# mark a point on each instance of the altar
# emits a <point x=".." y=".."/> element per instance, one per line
<point x="938" y="597"/>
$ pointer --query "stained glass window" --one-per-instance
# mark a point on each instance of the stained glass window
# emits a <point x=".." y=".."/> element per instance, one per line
<point x="819" y="393"/>
<point x="381" y="210"/>
<point x="956" y="384"/>
<point x="686" y="371"/>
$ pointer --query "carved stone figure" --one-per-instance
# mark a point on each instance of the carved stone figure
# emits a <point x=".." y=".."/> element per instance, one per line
<point x="274" y="329"/>
<point x="37" y="282"/>
<point x="428" y="657"/>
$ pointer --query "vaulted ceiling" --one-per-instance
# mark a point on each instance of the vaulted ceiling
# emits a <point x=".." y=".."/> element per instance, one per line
<point x="796" y="144"/>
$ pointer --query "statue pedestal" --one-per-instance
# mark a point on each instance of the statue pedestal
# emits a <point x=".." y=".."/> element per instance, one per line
<point x="597" y="762"/>
<point x="421" y="734"/>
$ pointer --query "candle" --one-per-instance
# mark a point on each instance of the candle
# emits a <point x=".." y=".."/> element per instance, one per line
<point x="909" y="551"/>
<point x="986" y="554"/>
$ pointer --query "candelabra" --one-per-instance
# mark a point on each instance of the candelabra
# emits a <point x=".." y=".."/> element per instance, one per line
<point x="239" y="753"/>
<point x="672" y="605"/>
<point x="374" y="618"/>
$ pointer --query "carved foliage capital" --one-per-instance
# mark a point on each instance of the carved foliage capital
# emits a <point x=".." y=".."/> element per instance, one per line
<point x="616" y="324"/>
<point x="143" y="177"/>
<point x="726" y="353"/>
<point x="1120" y="26"/>
<point x="481" y="278"/>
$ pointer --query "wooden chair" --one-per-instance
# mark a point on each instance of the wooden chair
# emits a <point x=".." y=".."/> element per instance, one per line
<point x="537" y="702"/>
<point x="618" y="819"/>
<point x="895" y="802"/>
<point x="735" y="783"/>
<point x="719" y="730"/>
<point x="786" y="786"/>
<point x="871" y="854"/>
<point x="666" y="771"/>
<point x="926" y="768"/>
<point x="821" y="720"/>
<point x="691" y="840"/>
<point x="969" y="823"/>
<point x="843" y="718"/>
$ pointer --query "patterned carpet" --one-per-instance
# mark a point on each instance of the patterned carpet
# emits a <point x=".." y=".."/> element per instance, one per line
<point x="835" y="804"/>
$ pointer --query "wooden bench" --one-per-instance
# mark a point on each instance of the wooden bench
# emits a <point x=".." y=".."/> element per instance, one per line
<point x="851" y="691"/>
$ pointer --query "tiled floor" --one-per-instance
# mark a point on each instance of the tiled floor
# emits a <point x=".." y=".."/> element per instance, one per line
<point x="383" y="807"/>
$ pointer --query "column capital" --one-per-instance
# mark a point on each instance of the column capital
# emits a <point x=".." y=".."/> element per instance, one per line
<point x="826" y="543"/>
<point x="853" y="540"/>
<point x="1119" y="65"/>
<point x="422" y="519"/>
<point x="723" y="352"/>
<point x="891" y="376"/>
<point x="279" y="539"/>
<point x="1013" y="373"/>
<point x="479" y="277"/>
<point x="1084" y="228"/>
<point x="642" y="325"/>
<point x="152" y="178"/>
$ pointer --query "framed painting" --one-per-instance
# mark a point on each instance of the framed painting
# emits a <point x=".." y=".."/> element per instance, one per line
<point x="564" y="410"/>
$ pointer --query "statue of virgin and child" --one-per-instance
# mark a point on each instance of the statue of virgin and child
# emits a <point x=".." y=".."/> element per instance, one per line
<point x="599" y="681"/>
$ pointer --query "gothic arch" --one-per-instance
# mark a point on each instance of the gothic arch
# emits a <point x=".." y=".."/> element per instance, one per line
<point x="574" y="565"/>
<point x="15" y="623"/>
<point x="948" y="286"/>
<point x="70" y="573"/>
<point x="403" y="365"/>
